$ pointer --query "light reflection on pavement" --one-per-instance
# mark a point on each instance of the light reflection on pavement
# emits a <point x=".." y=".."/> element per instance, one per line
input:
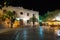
<point x="41" y="32"/>
<point x="33" y="33"/>
<point x="25" y="34"/>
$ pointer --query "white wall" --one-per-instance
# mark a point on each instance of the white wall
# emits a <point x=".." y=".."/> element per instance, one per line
<point x="25" y="11"/>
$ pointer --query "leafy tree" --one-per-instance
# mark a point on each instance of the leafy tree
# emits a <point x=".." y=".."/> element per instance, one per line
<point x="11" y="15"/>
<point x="50" y="15"/>
<point x="33" y="19"/>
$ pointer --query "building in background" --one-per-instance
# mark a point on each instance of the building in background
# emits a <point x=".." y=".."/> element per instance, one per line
<point x="22" y="13"/>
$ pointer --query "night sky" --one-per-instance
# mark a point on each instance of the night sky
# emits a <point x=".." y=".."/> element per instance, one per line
<point x="38" y="5"/>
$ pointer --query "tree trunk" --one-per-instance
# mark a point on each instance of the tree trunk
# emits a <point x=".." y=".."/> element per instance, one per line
<point x="11" y="23"/>
<point x="33" y="23"/>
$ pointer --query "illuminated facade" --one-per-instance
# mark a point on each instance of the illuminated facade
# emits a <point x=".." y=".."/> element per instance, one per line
<point x="22" y="13"/>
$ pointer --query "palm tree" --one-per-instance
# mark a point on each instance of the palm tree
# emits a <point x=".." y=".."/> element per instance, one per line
<point x="11" y="16"/>
<point x="33" y="19"/>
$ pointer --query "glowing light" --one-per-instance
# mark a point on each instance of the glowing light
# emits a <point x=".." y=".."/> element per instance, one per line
<point x="17" y="18"/>
<point x="16" y="24"/>
<point x="25" y="19"/>
<point x="58" y="33"/>
<point x="57" y="17"/>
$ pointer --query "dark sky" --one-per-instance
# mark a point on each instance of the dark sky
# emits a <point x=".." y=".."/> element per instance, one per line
<point x="38" y="5"/>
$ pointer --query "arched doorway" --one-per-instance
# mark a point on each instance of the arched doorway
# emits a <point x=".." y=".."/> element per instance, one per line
<point x="21" y="23"/>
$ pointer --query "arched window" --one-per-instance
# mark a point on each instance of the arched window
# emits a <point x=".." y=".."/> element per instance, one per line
<point x="4" y="11"/>
<point x="14" y="12"/>
<point x="27" y="21"/>
<point x="27" y="14"/>
<point x="21" y="13"/>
